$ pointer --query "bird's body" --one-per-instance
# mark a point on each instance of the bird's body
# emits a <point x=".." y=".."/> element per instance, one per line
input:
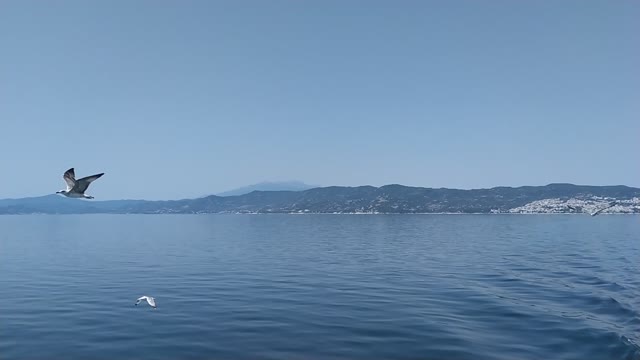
<point x="150" y="300"/>
<point x="76" y="188"/>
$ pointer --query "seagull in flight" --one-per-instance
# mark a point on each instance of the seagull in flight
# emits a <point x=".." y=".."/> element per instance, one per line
<point x="76" y="188"/>
<point x="150" y="300"/>
<point x="612" y="204"/>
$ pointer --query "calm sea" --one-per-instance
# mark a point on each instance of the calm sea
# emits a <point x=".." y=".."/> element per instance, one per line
<point x="320" y="287"/>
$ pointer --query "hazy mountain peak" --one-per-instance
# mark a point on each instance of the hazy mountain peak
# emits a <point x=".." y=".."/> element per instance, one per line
<point x="268" y="186"/>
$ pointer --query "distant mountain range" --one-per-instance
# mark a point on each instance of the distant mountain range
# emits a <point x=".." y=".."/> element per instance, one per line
<point x="393" y="199"/>
<point x="269" y="186"/>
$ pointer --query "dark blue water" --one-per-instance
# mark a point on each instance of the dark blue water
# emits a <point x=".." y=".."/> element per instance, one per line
<point x="320" y="287"/>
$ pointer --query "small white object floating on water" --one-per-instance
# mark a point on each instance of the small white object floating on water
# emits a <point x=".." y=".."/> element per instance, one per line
<point x="76" y="188"/>
<point x="150" y="300"/>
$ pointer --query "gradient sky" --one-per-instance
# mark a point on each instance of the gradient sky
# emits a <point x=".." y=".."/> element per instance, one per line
<point x="175" y="99"/>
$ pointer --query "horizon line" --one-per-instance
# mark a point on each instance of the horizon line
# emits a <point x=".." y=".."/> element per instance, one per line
<point x="331" y="186"/>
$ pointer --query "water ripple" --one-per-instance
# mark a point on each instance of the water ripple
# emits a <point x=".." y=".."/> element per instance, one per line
<point x="320" y="287"/>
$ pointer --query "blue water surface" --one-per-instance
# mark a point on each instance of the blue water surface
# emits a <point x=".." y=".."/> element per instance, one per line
<point x="320" y="287"/>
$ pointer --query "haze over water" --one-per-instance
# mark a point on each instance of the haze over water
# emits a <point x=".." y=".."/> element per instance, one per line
<point x="320" y="287"/>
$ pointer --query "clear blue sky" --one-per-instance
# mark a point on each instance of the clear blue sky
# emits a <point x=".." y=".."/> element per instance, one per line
<point x="176" y="99"/>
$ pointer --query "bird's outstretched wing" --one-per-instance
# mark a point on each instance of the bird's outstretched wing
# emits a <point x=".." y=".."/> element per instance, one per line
<point x="81" y="185"/>
<point x="151" y="301"/>
<point x="70" y="178"/>
<point x="611" y="204"/>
